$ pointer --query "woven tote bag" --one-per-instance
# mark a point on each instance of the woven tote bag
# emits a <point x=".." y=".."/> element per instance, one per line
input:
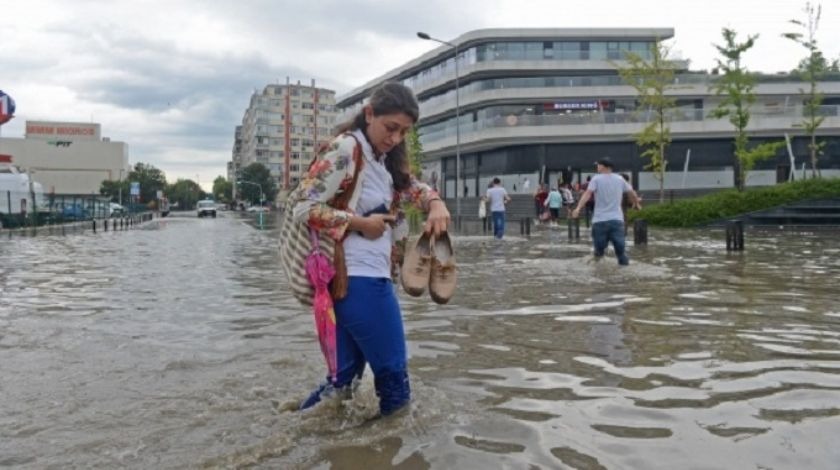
<point x="295" y="244"/>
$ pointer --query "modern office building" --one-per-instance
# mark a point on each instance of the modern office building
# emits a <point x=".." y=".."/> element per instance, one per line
<point x="67" y="158"/>
<point x="281" y="129"/>
<point x="541" y="104"/>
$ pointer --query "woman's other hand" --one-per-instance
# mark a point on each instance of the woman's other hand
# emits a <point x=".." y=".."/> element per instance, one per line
<point x="438" y="220"/>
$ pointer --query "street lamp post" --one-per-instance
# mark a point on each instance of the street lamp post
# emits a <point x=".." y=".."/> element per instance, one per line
<point x="262" y="198"/>
<point x="119" y="187"/>
<point x="425" y="36"/>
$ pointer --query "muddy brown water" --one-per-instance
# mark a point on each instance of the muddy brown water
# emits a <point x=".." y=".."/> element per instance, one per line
<point x="175" y="345"/>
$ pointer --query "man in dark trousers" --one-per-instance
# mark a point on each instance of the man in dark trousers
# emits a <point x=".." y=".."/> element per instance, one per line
<point x="498" y="197"/>
<point x="608" y="220"/>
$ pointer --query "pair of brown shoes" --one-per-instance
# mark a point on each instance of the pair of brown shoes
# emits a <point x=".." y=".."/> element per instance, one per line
<point x="430" y="261"/>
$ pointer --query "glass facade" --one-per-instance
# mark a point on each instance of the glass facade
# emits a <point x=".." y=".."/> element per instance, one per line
<point x="605" y="79"/>
<point x="530" y="51"/>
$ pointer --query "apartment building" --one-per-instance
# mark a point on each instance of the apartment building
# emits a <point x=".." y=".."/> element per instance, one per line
<point x="281" y="129"/>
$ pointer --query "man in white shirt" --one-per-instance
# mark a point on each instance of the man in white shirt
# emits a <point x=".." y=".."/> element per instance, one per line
<point x="498" y="197"/>
<point x="608" y="220"/>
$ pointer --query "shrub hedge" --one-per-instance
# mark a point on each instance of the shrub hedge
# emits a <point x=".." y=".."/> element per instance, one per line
<point x="730" y="202"/>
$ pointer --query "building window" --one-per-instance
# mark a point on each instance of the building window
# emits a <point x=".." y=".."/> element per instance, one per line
<point x="548" y="50"/>
<point x="533" y="51"/>
<point x="613" y="51"/>
<point x="569" y="50"/>
<point x="598" y="50"/>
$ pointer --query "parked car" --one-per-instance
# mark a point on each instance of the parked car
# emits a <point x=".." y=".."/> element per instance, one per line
<point x="74" y="212"/>
<point x="206" y="207"/>
<point x="257" y="209"/>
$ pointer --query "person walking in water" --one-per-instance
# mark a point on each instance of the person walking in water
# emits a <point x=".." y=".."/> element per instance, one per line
<point x="498" y="197"/>
<point x="554" y="203"/>
<point x="366" y="167"/>
<point x="608" y="220"/>
<point x="539" y="200"/>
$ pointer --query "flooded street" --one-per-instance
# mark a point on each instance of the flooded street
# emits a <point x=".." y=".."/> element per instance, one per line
<point x="175" y="344"/>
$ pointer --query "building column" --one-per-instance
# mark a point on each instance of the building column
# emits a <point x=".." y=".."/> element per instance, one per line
<point x="541" y="151"/>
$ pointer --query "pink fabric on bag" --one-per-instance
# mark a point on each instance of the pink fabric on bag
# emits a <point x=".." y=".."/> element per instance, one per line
<point x="320" y="271"/>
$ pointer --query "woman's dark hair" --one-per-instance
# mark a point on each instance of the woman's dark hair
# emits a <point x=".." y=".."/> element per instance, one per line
<point x="390" y="98"/>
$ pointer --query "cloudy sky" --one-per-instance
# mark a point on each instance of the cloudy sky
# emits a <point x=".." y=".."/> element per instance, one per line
<point x="172" y="78"/>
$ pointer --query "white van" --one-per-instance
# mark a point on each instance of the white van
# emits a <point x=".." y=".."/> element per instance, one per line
<point x="16" y="190"/>
<point x="116" y="210"/>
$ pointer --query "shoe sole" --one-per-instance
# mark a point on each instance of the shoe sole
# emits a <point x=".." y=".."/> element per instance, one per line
<point x="416" y="291"/>
<point x="442" y="254"/>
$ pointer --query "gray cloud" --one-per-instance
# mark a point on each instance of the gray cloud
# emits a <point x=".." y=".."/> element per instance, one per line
<point x="106" y="56"/>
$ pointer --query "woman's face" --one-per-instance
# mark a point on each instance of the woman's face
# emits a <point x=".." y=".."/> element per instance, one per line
<point x="386" y="131"/>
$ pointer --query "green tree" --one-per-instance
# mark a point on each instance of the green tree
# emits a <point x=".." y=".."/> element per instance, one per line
<point x="415" y="160"/>
<point x="222" y="190"/>
<point x="652" y="79"/>
<point x="260" y="175"/>
<point x="736" y="86"/>
<point x="811" y="69"/>
<point x="184" y="193"/>
<point x="822" y="64"/>
<point x="150" y="178"/>
<point x="415" y="151"/>
<point x="116" y="190"/>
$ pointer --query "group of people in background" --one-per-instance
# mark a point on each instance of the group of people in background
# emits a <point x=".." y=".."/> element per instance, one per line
<point x="604" y="198"/>
<point x="550" y="204"/>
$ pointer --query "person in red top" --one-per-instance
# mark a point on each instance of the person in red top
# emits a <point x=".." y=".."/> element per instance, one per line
<point x="539" y="199"/>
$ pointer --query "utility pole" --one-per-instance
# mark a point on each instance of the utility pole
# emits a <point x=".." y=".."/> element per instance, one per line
<point x="119" y="186"/>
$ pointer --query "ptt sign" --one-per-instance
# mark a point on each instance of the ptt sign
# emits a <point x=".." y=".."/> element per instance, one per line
<point x="60" y="143"/>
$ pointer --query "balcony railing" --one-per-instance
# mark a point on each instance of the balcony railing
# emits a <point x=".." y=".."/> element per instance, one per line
<point x="446" y="100"/>
<point x="574" y="81"/>
<point x="794" y="113"/>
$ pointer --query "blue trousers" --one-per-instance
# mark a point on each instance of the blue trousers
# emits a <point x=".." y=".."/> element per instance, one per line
<point x="369" y="329"/>
<point x="498" y="224"/>
<point x="610" y="231"/>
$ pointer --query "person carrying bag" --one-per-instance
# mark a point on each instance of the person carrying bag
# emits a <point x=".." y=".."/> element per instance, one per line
<point x="363" y="169"/>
